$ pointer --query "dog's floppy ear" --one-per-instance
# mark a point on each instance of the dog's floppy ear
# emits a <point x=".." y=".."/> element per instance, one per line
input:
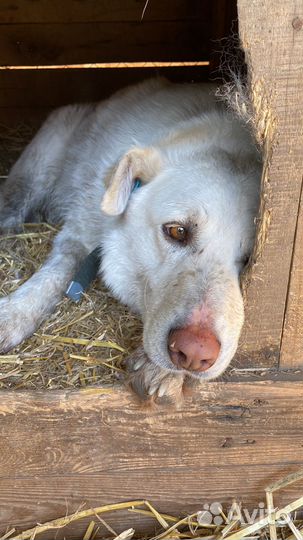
<point x="138" y="164"/>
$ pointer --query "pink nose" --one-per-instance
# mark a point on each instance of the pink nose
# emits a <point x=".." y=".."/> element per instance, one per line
<point x="193" y="348"/>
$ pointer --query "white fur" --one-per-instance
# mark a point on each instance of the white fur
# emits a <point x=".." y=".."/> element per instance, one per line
<point x="198" y="164"/>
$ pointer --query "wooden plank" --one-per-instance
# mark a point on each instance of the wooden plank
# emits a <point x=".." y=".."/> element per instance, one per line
<point x="220" y="413"/>
<point x="292" y="342"/>
<point x="274" y="49"/>
<point x="24" y="502"/>
<point x="28" y="96"/>
<point x="70" y="11"/>
<point x="32" y="44"/>
<point x="50" y="89"/>
<point x="62" y="449"/>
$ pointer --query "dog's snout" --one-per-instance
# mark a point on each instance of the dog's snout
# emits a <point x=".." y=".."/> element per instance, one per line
<point x="193" y="349"/>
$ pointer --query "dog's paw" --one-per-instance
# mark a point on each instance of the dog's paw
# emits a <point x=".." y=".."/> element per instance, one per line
<point x="151" y="382"/>
<point x="15" y="325"/>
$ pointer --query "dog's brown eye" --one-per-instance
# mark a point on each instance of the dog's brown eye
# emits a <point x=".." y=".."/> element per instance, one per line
<point x="176" y="232"/>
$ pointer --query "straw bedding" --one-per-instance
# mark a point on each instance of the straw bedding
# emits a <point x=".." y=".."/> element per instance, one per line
<point x="80" y="344"/>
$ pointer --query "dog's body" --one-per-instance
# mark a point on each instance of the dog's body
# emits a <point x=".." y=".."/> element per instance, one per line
<point x="173" y="249"/>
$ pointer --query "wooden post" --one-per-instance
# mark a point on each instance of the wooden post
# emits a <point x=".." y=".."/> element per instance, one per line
<point x="272" y="37"/>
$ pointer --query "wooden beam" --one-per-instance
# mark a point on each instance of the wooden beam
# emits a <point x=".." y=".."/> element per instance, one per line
<point x="274" y="50"/>
<point x="62" y="449"/>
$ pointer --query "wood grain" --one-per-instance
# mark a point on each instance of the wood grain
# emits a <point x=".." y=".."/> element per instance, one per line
<point x="292" y="341"/>
<point x="69" y="11"/>
<point x="77" y="43"/>
<point x="275" y="51"/>
<point x="61" y="449"/>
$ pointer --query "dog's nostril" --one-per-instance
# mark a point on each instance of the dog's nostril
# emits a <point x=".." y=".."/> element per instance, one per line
<point x="205" y="364"/>
<point x="183" y="360"/>
<point x="179" y="359"/>
<point x="182" y="357"/>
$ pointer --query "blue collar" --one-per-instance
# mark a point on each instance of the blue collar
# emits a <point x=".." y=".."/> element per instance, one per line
<point x="137" y="184"/>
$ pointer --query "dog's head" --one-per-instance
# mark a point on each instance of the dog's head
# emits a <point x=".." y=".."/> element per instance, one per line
<point x="176" y="246"/>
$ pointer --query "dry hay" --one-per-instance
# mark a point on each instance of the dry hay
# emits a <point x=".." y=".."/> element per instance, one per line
<point x="276" y="523"/>
<point x="78" y="345"/>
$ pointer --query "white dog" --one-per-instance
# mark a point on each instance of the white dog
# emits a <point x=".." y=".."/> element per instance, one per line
<point x="172" y="250"/>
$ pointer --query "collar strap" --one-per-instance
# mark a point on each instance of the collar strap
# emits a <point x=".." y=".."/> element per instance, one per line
<point x="86" y="274"/>
<point x="137" y="184"/>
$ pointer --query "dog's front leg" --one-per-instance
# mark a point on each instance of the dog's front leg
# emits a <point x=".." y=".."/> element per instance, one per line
<point x="23" y="311"/>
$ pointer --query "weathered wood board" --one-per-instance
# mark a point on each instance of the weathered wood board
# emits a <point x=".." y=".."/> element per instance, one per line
<point x="274" y="51"/>
<point x="292" y="342"/>
<point x="78" y="43"/>
<point x="62" y="449"/>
